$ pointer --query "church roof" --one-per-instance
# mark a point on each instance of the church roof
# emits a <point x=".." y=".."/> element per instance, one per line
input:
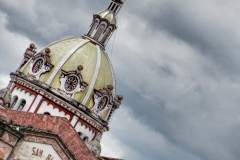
<point x="57" y="125"/>
<point x="67" y="55"/>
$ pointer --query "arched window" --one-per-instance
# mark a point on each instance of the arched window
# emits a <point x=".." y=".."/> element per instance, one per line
<point x="107" y="34"/>
<point x="102" y="104"/>
<point x="80" y="134"/>
<point x="21" y="105"/>
<point x="93" y="27"/>
<point x="47" y="113"/>
<point x="15" y="99"/>
<point x="85" y="139"/>
<point x="99" y="32"/>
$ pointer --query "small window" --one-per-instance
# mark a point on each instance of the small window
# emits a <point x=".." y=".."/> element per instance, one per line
<point x="21" y="105"/>
<point x="85" y="139"/>
<point x="93" y="27"/>
<point x="15" y="99"/>
<point x="80" y="134"/>
<point x="102" y="104"/>
<point x="99" y="31"/>
<point x="116" y="9"/>
<point x="47" y="113"/>
<point x="71" y="83"/>
<point x="113" y="7"/>
<point x="37" y="66"/>
<point x="110" y="5"/>
<point x="107" y="34"/>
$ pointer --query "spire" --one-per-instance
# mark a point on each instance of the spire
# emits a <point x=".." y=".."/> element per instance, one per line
<point x="104" y="24"/>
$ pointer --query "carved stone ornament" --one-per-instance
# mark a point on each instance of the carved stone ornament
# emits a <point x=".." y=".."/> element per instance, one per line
<point x="40" y="63"/>
<point x="95" y="147"/>
<point x="103" y="100"/>
<point x="72" y="82"/>
<point x="29" y="53"/>
<point x="116" y="105"/>
<point x="5" y="98"/>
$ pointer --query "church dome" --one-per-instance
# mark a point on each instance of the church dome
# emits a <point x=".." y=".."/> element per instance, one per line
<point x="70" y="60"/>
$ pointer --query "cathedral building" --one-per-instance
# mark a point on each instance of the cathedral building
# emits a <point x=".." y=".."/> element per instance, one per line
<point x="60" y="100"/>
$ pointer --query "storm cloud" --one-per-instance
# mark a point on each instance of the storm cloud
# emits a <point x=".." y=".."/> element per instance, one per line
<point x="176" y="64"/>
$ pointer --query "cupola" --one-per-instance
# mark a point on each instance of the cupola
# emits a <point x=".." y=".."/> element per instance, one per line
<point x="104" y="24"/>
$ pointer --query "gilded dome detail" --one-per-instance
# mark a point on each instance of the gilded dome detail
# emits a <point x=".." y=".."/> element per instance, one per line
<point x="95" y="76"/>
<point x="72" y="82"/>
<point x="103" y="100"/>
<point x="66" y="57"/>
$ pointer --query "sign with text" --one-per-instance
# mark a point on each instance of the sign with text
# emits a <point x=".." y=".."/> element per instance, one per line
<point x="36" y="151"/>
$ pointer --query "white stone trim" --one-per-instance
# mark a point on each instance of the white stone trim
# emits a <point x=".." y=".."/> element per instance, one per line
<point x="89" y="118"/>
<point x="67" y="56"/>
<point x="113" y="75"/>
<point x="35" y="103"/>
<point x="74" y="120"/>
<point x="80" y="127"/>
<point x="109" y="111"/>
<point x="54" y="111"/>
<point x="95" y="75"/>
<point x="111" y="18"/>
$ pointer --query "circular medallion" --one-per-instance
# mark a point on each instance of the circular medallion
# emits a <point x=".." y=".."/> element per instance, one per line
<point x="37" y="66"/>
<point x="71" y="83"/>
<point x="102" y="103"/>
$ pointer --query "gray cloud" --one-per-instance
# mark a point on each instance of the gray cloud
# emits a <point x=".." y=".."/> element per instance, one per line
<point x="176" y="63"/>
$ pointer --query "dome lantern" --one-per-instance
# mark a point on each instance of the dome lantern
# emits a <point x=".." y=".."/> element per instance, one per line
<point x="104" y="24"/>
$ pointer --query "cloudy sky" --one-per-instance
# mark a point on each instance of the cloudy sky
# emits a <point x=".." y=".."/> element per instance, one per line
<point x="177" y="63"/>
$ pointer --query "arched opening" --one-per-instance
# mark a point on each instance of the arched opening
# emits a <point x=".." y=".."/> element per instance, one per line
<point x="107" y="34"/>
<point x="15" y="99"/>
<point x="113" y="7"/>
<point x="85" y="139"/>
<point x="21" y="105"/>
<point x="47" y="113"/>
<point x="79" y="133"/>
<point x="93" y="27"/>
<point x="99" y="31"/>
<point x="110" y="5"/>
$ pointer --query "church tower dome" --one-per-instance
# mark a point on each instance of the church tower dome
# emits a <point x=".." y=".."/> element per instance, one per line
<point x="104" y="24"/>
<point x="71" y="78"/>
<point x="65" y="57"/>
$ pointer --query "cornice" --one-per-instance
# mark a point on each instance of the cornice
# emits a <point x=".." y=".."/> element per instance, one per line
<point x="63" y="101"/>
